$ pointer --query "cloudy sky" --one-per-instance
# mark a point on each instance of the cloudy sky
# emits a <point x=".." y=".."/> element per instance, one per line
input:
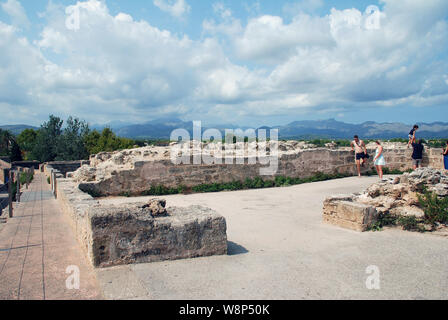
<point x="235" y="61"/>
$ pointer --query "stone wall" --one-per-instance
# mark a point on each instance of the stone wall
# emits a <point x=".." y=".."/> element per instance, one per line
<point x="116" y="173"/>
<point x="115" y="235"/>
<point x="65" y="167"/>
<point x="26" y="164"/>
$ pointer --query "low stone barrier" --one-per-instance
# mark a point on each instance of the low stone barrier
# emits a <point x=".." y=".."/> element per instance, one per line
<point x="131" y="233"/>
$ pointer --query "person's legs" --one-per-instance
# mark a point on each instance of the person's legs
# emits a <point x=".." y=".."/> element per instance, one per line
<point x="380" y="168"/>
<point x="417" y="163"/>
<point x="358" y="166"/>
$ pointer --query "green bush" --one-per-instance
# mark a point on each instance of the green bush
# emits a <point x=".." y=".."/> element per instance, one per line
<point x="435" y="208"/>
<point x="161" y="191"/>
<point x="383" y="221"/>
<point x="26" y="177"/>
<point x="410" y="223"/>
<point x="48" y="180"/>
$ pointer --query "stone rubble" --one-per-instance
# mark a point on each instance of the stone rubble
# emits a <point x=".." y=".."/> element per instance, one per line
<point x="396" y="196"/>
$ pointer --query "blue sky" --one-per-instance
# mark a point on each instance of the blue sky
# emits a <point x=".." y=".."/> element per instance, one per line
<point x="240" y="62"/>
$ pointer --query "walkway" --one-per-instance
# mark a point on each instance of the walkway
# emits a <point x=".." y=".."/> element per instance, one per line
<point x="280" y="249"/>
<point x="37" y="246"/>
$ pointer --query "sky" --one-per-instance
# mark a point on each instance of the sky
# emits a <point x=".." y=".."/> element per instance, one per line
<point x="234" y="62"/>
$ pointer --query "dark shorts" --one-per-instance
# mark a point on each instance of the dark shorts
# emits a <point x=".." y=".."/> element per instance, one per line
<point x="360" y="156"/>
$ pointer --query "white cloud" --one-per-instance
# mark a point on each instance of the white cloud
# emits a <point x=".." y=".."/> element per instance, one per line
<point x="307" y="6"/>
<point x="114" y="67"/>
<point x="17" y="13"/>
<point x="227" y="24"/>
<point x="176" y="8"/>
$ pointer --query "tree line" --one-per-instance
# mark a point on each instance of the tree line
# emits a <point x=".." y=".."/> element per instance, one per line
<point x="55" y="142"/>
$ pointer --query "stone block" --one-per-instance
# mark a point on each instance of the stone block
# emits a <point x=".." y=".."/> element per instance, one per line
<point x="348" y="214"/>
<point x="131" y="234"/>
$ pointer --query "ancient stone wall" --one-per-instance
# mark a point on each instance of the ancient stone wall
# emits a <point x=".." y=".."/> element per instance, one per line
<point x="132" y="173"/>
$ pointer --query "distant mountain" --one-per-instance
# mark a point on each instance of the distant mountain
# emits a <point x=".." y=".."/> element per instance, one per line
<point x="328" y="129"/>
<point x="333" y="129"/>
<point x="310" y="129"/>
<point x="17" y="129"/>
<point x="156" y="129"/>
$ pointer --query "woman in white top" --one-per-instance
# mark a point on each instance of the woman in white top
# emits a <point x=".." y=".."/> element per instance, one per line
<point x="379" y="159"/>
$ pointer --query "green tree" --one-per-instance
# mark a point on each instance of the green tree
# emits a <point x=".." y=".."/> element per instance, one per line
<point x="71" y="144"/>
<point x="106" y="141"/>
<point x="26" y="140"/>
<point x="9" y="146"/>
<point x="91" y="141"/>
<point x="5" y="142"/>
<point x="47" y="140"/>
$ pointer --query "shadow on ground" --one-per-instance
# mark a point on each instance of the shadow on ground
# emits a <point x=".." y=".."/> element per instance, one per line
<point x="234" y="249"/>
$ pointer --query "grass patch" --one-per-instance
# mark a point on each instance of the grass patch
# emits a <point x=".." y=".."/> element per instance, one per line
<point x="260" y="183"/>
<point x="256" y="183"/>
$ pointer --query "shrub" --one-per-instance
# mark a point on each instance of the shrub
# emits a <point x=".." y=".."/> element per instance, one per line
<point x="162" y="191"/>
<point x="383" y="221"/>
<point x="435" y="208"/>
<point x="410" y="223"/>
<point x="26" y="177"/>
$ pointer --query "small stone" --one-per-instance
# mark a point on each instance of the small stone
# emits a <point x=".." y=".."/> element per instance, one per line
<point x="157" y="208"/>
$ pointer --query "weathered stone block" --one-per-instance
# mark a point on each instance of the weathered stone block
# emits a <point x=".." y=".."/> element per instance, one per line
<point x="347" y="214"/>
<point x="130" y="234"/>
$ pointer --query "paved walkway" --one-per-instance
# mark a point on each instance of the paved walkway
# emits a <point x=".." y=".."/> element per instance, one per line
<point x="37" y="246"/>
<point x="280" y="249"/>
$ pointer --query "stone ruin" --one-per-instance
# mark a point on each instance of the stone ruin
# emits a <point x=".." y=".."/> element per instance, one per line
<point x="396" y="196"/>
<point x="138" y="233"/>
<point x="134" y="172"/>
<point x="141" y="232"/>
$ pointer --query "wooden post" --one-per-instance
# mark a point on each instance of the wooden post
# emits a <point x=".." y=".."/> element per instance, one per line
<point x="10" y="177"/>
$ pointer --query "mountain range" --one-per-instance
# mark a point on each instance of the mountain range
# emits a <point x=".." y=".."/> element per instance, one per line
<point x="328" y="129"/>
<point x="309" y="129"/>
